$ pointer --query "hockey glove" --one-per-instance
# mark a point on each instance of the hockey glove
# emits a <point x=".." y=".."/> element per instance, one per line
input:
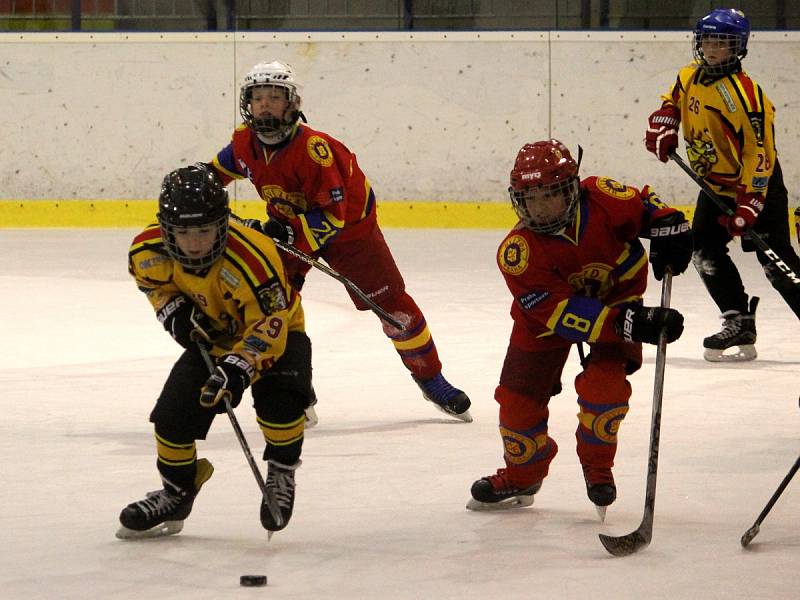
<point x="231" y="377"/>
<point x="184" y="321"/>
<point x="748" y="207"/>
<point x="272" y="228"/>
<point x="661" y="136"/>
<point x="670" y="244"/>
<point x="637" y="323"/>
<point x="278" y="231"/>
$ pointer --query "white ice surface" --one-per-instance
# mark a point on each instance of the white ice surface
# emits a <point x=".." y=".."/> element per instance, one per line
<point x="381" y="493"/>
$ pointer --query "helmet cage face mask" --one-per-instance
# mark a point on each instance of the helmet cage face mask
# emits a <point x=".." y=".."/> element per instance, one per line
<point x="728" y="29"/>
<point x="202" y="262"/>
<point x="534" y="205"/>
<point x="270" y="129"/>
<point x="193" y="198"/>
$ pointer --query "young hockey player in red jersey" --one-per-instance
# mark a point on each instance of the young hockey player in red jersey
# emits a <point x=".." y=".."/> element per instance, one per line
<point x="728" y="126"/>
<point x="222" y="284"/>
<point x="319" y="200"/>
<point x="577" y="272"/>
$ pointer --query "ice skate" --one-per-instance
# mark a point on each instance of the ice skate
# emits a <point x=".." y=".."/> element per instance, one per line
<point x="448" y="399"/>
<point x="163" y="511"/>
<point x="310" y="412"/>
<point x="496" y="492"/>
<point x="600" y="488"/>
<point x="736" y="341"/>
<point x="280" y="481"/>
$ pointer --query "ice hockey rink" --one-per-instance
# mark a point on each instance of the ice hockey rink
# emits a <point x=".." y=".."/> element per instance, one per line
<point x="380" y="508"/>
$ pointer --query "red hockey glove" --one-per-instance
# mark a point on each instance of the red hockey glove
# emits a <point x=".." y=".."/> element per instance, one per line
<point x="661" y="136"/>
<point x="748" y="207"/>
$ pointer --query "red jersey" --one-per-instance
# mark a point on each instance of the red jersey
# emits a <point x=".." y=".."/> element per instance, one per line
<point x="310" y="182"/>
<point x="567" y="287"/>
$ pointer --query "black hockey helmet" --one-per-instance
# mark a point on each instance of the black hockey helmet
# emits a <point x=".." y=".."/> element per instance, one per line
<point x="193" y="197"/>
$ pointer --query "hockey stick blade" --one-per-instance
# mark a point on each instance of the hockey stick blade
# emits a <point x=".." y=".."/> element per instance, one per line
<point x="749" y="535"/>
<point x="753" y="531"/>
<point x="626" y="545"/>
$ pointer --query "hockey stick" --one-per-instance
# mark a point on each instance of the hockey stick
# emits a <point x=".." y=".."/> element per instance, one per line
<point x="309" y="260"/>
<point x="636" y="540"/>
<point x="759" y="241"/>
<point x="268" y="495"/>
<point x="289" y="249"/>
<point x="753" y="531"/>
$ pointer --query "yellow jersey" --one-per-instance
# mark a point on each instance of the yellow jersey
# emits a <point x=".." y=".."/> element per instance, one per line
<point x="244" y="293"/>
<point x="728" y="128"/>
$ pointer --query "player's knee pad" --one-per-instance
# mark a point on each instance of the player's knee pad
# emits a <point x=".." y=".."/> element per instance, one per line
<point x="290" y="373"/>
<point x="533" y="374"/>
<point x="604" y="381"/>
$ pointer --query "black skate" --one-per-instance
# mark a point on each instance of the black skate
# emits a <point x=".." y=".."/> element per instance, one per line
<point x="163" y="511"/>
<point x="738" y="333"/>
<point x="448" y="399"/>
<point x="600" y="488"/>
<point x="280" y="482"/>
<point x="496" y="492"/>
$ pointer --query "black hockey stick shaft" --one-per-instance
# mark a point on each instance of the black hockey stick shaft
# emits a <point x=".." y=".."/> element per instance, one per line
<point x="310" y="260"/>
<point x="758" y="240"/>
<point x="753" y="531"/>
<point x="269" y="497"/>
<point x="289" y="249"/>
<point x="640" y="538"/>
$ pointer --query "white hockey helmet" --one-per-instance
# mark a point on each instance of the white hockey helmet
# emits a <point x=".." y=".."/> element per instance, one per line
<point x="271" y="130"/>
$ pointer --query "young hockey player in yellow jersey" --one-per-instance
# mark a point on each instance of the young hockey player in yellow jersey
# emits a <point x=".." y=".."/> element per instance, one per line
<point x="728" y="127"/>
<point x="215" y="282"/>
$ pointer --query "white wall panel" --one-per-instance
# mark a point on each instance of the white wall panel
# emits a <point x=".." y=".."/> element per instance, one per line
<point x="433" y="116"/>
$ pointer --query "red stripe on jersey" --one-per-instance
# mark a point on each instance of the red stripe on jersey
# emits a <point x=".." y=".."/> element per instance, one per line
<point x="253" y="262"/>
<point x="147" y="235"/>
<point x="746" y="84"/>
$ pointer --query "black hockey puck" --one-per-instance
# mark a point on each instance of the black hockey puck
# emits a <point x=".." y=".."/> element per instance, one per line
<point x="253" y="580"/>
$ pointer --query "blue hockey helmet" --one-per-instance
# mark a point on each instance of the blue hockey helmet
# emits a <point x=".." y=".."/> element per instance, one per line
<point x="731" y="30"/>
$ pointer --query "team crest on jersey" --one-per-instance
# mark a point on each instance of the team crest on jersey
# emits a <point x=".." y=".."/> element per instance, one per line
<point x="615" y="188"/>
<point x="319" y="151"/>
<point x="593" y="281"/>
<point x="272" y="298"/>
<point x="288" y="204"/>
<point x="514" y="255"/>
<point x="702" y="156"/>
<point x="519" y="449"/>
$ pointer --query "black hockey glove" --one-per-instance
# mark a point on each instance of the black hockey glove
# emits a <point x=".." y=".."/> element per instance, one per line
<point x="184" y="321"/>
<point x="230" y="378"/>
<point x="637" y="323"/>
<point x="670" y="244"/>
<point x="278" y="231"/>
<point x="272" y="228"/>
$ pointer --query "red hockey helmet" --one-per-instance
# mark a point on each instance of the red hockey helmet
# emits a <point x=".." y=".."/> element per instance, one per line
<point x="544" y="186"/>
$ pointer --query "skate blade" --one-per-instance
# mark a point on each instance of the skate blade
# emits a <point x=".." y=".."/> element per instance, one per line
<point x="509" y="504"/>
<point x="601" y="512"/>
<point x="161" y="530"/>
<point x="464" y="416"/>
<point x="311" y="417"/>
<point x="740" y="354"/>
